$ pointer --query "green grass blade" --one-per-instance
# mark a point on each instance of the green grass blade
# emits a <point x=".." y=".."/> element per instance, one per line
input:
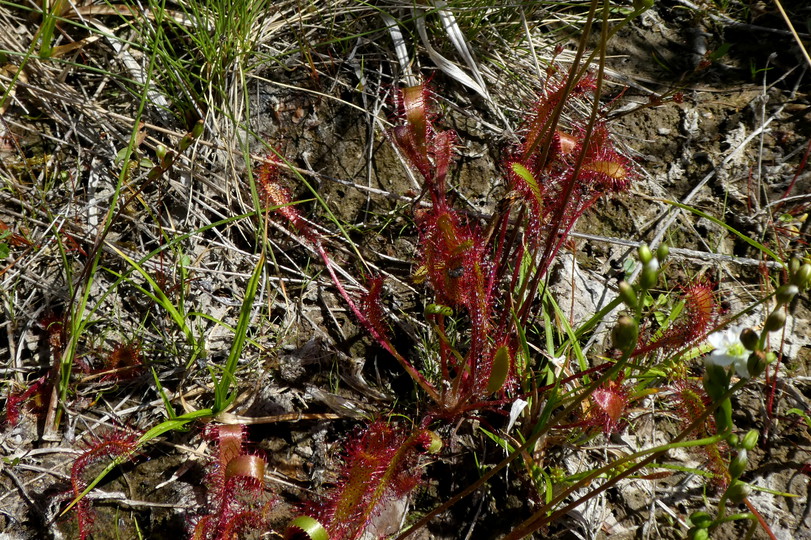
<point x="159" y="297"/>
<point x="754" y="243"/>
<point x="222" y="394"/>
<point x="160" y="429"/>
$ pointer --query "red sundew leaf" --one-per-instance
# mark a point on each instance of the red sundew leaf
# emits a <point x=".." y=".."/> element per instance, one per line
<point x="539" y="127"/>
<point x="229" y="442"/>
<point x="237" y="501"/>
<point x="690" y="400"/>
<point x="427" y="150"/>
<point x="247" y="466"/>
<point x="609" y="403"/>
<point x="113" y="444"/>
<point x="16" y="400"/>
<point x="442" y="154"/>
<point x="699" y="315"/>
<point x="603" y="168"/>
<point x="273" y="193"/>
<point x="416" y="116"/>
<point x="124" y="360"/>
<point x="380" y="465"/>
<point x="525" y="183"/>
<point x="567" y="144"/>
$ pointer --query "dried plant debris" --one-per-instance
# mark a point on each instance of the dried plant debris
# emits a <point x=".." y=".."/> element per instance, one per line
<point x="459" y="270"/>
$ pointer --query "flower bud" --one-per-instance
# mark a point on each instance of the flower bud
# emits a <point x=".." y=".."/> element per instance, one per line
<point x="775" y="321"/>
<point x="793" y="266"/>
<point x="625" y="333"/>
<point x="160" y="152"/>
<point x="738" y="491"/>
<point x="197" y="130"/>
<point x="802" y="278"/>
<point x="185" y="142"/>
<point x="716" y="381"/>
<point x="733" y="440"/>
<point x="786" y="294"/>
<point x="649" y="277"/>
<point x="749" y="338"/>
<point x="627" y="294"/>
<point x="663" y="250"/>
<point x="166" y="160"/>
<point x="750" y="439"/>
<point x="739" y="463"/>
<point x="702" y="520"/>
<point x="645" y="255"/>
<point x="756" y="364"/>
<point x="698" y="533"/>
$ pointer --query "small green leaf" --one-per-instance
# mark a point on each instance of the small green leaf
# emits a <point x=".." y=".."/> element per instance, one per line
<point x="527" y="177"/>
<point x="499" y="370"/>
<point x="438" y="309"/>
<point x="222" y="395"/>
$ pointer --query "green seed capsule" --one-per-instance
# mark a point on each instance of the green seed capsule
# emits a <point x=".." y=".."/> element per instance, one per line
<point x="698" y="533"/>
<point x="662" y="252"/>
<point x="794" y="265"/>
<point x="645" y="255"/>
<point x="738" y="491"/>
<point x="802" y="278"/>
<point x="700" y="519"/>
<point x="786" y="294"/>
<point x="649" y="277"/>
<point x="627" y="294"/>
<point x="625" y="333"/>
<point x="750" y="439"/>
<point x="716" y="381"/>
<point x="756" y="363"/>
<point x="739" y="463"/>
<point x="775" y="321"/>
<point x="749" y="338"/>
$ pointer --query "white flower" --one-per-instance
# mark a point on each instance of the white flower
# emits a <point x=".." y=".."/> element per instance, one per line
<point x="729" y="351"/>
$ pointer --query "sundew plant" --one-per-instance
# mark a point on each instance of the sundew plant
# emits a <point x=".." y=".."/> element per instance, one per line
<point x="474" y="398"/>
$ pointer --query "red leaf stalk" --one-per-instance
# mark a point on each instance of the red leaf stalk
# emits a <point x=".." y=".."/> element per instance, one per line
<point x="274" y="193"/>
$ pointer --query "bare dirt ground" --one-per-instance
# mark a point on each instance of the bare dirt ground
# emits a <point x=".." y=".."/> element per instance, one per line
<point x="715" y="113"/>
